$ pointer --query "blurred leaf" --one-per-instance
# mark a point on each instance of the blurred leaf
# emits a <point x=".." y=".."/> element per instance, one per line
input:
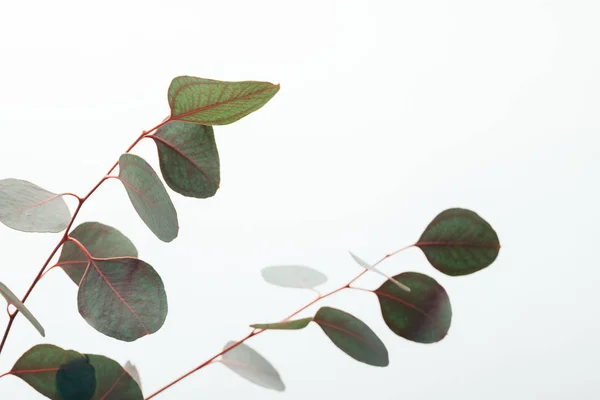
<point x="293" y="276"/>
<point x="113" y="383"/>
<point x="39" y="367"/>
<point x="101" y="241"/>
<point x="14" y="300"/>
<point x="189" y="160"/>
<point x="148" y="196"/>
<point x="247" y="363"/>
<point x="123" y="298"/>
<point x="459" y="242"/>
<point x="369" y="267"/>
<point x="29" y="208"/>
<point x="132" y="370"/>
<point x="423" y="315"/>
<point x="295" y="324"/>
<point x="211" y="102"/>
<point x="353" y="336"/>
<point x="76" y="380"/>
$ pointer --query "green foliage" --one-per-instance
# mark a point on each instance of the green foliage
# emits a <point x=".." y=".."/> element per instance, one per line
<point x="211" y="102"/>
<point x="29" y="208"/>
<point x="286" y="325"/>
<point x="10" y="298"/>
<point x="423" y="315"/>
<point x="100" y="241"/>
<point x="459" y="242"/>
<point x="352" y="336"/>
<point x="189" y="160"/>
<point x="148" y="196"/>
<point x="124" y="297"/>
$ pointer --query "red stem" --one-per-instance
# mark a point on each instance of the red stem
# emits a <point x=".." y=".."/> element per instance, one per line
<point x="64" y="238"/>
<point x="257" y="331"/>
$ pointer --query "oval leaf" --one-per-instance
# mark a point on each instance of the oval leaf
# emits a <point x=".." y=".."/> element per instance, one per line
<point x="148" y="196"/>
<point x="423" y="315"/>
<point x="459" y="242"/>
<point x="247" y="363"/>
<point x="14" y="300"/>
<point x="29" y="208"/>
<point x="369" y="267"/>
<point x="39" y="367"/>
<point x="113" y="382"/>
<point x="101" y="241"/>
<point x="123" y="298"/>
<point x="211" y="102"/>
<point x="189" y="160"/>
<point x="295" y="324"/>
<point x="132" y="370"/>
<point x="352" y="336"/>
<point x="293" y="276"/>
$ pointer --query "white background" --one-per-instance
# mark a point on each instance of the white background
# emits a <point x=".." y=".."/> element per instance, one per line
<point x="389" y="112"/>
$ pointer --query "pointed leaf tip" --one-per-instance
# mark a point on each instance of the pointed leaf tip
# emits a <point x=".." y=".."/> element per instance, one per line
<point x="14" y="300"/>
<point x="352" y="336"/>
<point x="133" y="371"/>
<point x="424" y="315"/>
<point x="148" y="196"/>
<point x="250" y="365"/>
<point x="212" y="102"/>
<point x="293" y="276"/>
<point x="29" y="208"/>
<point x="459" y="242"/>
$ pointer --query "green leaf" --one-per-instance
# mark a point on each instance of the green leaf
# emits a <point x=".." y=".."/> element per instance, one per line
<point x="189" y="160"/>
<point x="14" y="300"/>
<point x="423" y="315"/>
<point x="211" y="102"/>
<point x="459" y="242"/>
<point x="29" y="208"/>
<point x="113" y="382"/>
<point x="101" y="241"/>
<point x="295" y="324"/>
<point x="148" y="196"/>
<point x="247" y="363"/>
<point x="39" y="366"/>
<point x="353" y="336"/>
<point x="76" y="380"/>
<point x="293" y="276"/>
<point x="123" y="298"/>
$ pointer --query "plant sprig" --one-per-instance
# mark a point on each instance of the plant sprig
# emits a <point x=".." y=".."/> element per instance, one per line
<point x="123" y="297"/>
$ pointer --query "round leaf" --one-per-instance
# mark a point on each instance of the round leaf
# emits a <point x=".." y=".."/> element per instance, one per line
<point x="211" y="102"/>
<point x="189" y="160"/>
<point x="293" y="276"/>
<point x="101" y="241"/>
<point x="39" y="366"/>
<point x="286" y="325"/>
<point x="422" y="315"/>
<point x="353" y="336"/>
<point x="247" y="363"/>
<point x="148" y="196"/>
<point x="459" y="242"/>
<point x="123" y="298"/>
<point x="29" y="208"/>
